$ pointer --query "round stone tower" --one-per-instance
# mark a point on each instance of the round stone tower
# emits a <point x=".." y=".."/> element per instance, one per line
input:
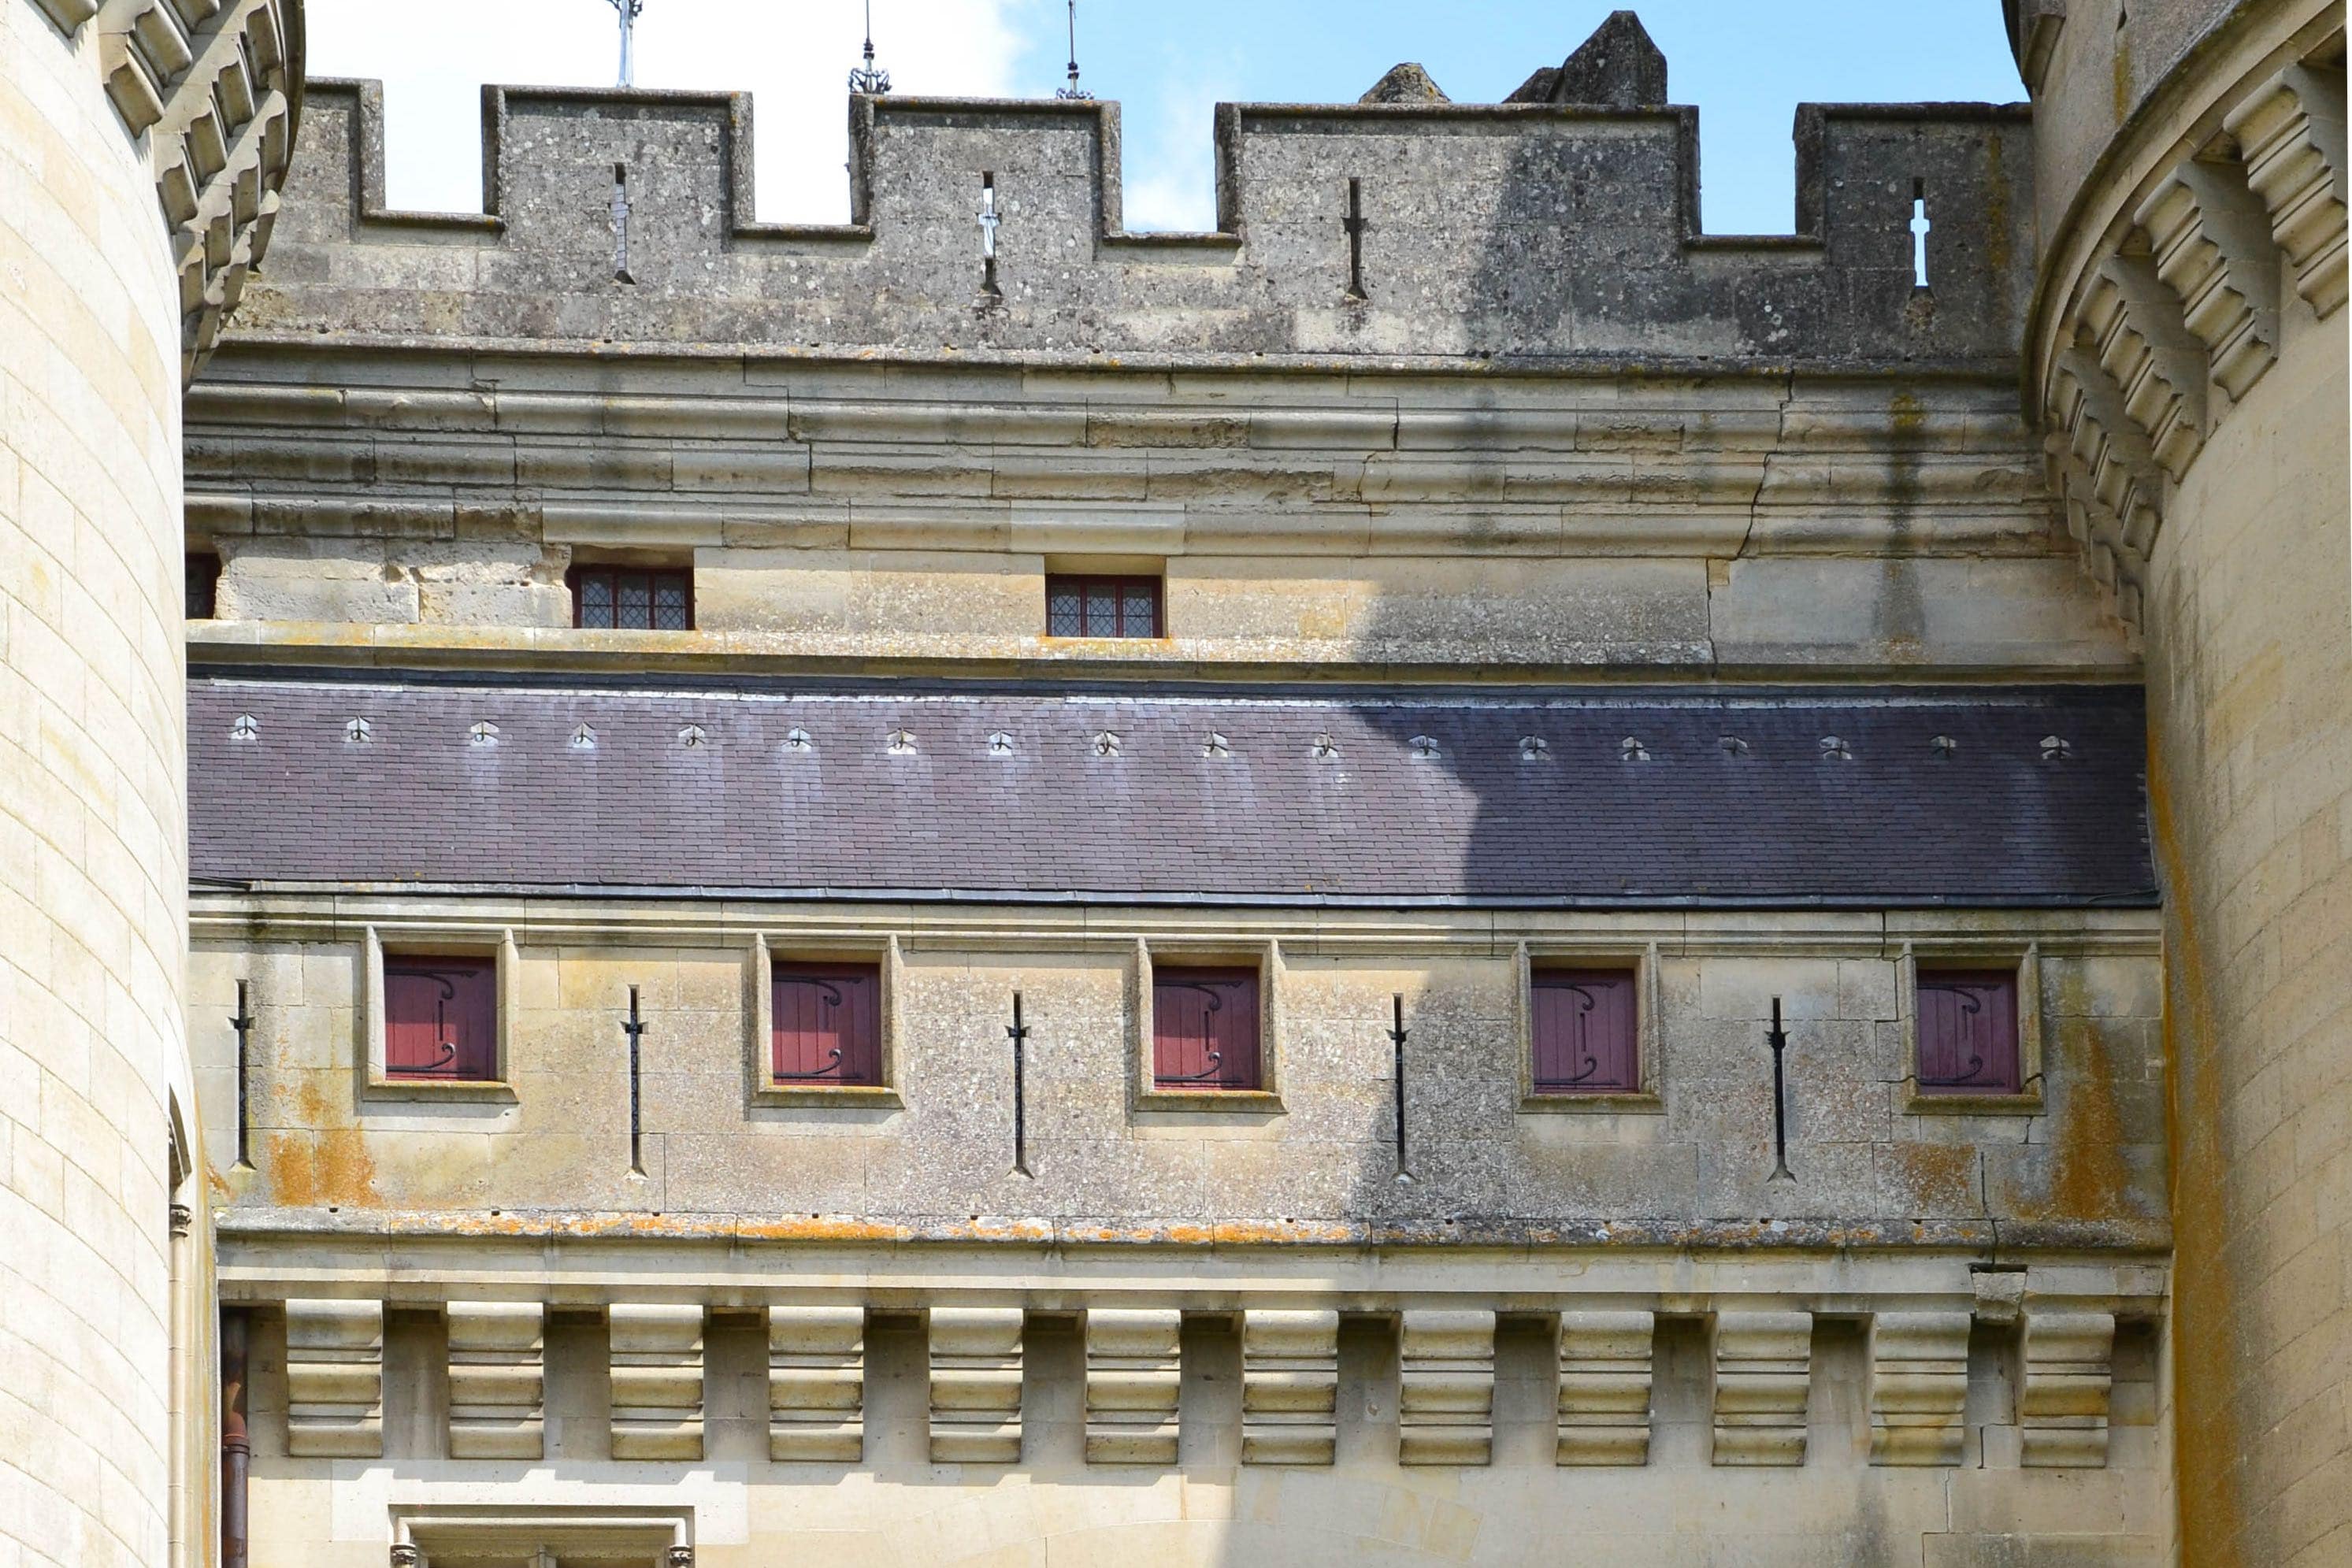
<point x="2187" y="350"/>
<point x="141" y="153"/>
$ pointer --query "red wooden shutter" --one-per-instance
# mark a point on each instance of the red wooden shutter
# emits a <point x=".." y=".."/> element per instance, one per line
<point x="1584" y="1041"/>
<point x="1967" y="1032"/>
<point x="828" y="1024"/>
<point x="440" y="1019"/>
<point x="1204" y="1028"/>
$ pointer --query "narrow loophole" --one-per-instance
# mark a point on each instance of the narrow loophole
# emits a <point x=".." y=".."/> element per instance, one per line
<point x="1919" y="227"/>
<point x="621" y="223"/>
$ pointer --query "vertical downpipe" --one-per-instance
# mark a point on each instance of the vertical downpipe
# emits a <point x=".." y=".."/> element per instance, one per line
<point x="236" y="1450"/>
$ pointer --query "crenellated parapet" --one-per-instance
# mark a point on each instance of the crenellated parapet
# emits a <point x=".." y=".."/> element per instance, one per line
<point x="216" y="86"/>
<point x="1535" y="231"/>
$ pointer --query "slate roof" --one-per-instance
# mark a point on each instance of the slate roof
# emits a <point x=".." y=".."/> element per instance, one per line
<point x="1836" y="797"/>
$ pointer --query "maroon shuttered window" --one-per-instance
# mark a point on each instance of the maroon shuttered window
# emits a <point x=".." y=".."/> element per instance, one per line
<point x="1102" y="606"/>
<point x="1967" y="1032"/>
<point x="828" y="1024"/>
<point x="441" y="1019"/>
<point x="1204" y="1028"/>
<point x="632" y="599"/>
<point x="1584" y="1036"/>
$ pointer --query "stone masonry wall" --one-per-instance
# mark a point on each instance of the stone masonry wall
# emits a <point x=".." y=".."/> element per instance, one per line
<point x="1689" y="1163"/>
<point x="1494" y="231"/>
<point x="908" y="513"/>
<point x="92" y="813"/>
<point x="2250" y="696"/>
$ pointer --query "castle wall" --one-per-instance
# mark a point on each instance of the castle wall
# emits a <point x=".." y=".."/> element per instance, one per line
<point x="2190" y="353"/>
<point x="2250" y="642"/>
<point x="375" y="1226"/>
<point x="1426" y="518"/>
<point x="1522" y="428"/>
<point x="93" y="880"/>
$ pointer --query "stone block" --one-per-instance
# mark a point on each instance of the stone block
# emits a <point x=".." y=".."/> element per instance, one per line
<point x="1290" y="1386"/>
<point x="1133" y="1368"/>
<point x="1918" y="1387"/>
<point x="816" y="1384"/>
<point x="976" y="1385"/>
<point x="657" y="1371"/>
<point x="497" y="1380"/>
<point x="1604" y="1387"/>
<point x="334" y="1378"/>
<point x="1446" y="1398"/>
<point x="2062" y="1411"/>
<point x="1763" y="1379"/>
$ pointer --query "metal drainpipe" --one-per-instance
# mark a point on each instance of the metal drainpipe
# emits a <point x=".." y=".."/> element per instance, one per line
<point x="237" y="1452"/>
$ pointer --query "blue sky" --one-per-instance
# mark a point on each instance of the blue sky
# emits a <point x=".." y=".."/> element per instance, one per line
<point x="1746" y="65"/>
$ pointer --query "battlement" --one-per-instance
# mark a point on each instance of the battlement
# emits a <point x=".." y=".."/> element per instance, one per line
<point x="1535" y="231"/>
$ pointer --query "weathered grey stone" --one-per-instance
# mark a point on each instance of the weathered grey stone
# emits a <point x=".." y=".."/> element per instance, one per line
<point x="1618" y="67"/>
<point x="1406" y="83"/>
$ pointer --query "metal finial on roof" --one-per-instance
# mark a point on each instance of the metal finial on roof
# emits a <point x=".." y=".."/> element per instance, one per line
<point x="1074" y="92"/>
<point x="629" y="11"/>
<point x="869" y="79"/>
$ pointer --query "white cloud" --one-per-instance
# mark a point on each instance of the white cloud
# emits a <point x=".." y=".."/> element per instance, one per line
<point x="793" y="56"/>
<point x="1170" y="169"/>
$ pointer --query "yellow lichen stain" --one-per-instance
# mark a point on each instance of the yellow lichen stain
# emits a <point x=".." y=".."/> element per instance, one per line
<point x="331" y="1168"/>
<point x="2087" y="1176"/>
<point x="2120" y="69"/>
<point x="2208" y="1450"/>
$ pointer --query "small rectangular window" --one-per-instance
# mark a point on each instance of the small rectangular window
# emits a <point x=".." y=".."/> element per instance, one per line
<point x="1967" y="1032"/>
<point x="1102" y="606"/>
<point x="1583" y="1034"/>
<point x="828" y="1025"/>
<point x="1204" y="1028"/>
<point x="633" y="599"/>
<point x="441" y="1019"/>
<point x="203" y="585"/>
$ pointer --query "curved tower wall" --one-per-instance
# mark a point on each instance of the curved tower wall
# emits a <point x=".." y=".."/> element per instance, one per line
<point x="123" y="239"/>
<point x="2190" y="349"/>
<point x="92" y="809"/>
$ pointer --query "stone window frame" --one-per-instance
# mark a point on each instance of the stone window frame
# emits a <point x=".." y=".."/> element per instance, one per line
<point x="496" y="943"/>
<point x="439" y="1524"/>
<point x="759" y="1020"/>
<point x="1649" y="1099"/>
<point x="2025" y="958"/>
<point x="1145" y="1095"/>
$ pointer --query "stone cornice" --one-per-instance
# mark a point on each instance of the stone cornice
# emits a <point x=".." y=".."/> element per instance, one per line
<point x="2148" y="332"/>
<point x="215" y="86"/>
